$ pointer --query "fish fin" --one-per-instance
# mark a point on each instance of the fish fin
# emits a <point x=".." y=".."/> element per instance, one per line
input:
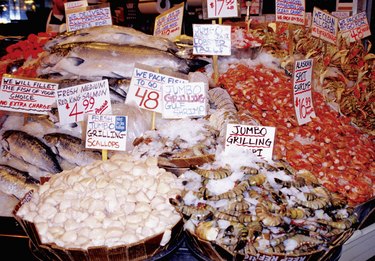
<point x="76" y="60"/>
<point x="117" y="75"/>
<point x="195" y="64"/>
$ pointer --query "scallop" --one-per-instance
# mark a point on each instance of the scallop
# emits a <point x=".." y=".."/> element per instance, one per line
<point x="163" y="188"/>
<point x="70" y="194"/>
<point x="47" y="211"/>
<point x="42" y="227"/>
<point x="141" y="197"/>
<point x="129" y="207"/>
<point x="64" y="205"/>
<point x="138" y="170"/>
<point x="152" y="221"/>
<point x="69" y="236"/>
<point x="134" y="218"/>
<point x="127" y="166"/>
<point x="113" y="232"/>
<point x="71" y="225"/>
<point x="60" y="217"/>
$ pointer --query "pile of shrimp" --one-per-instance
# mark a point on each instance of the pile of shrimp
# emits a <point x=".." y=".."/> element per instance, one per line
<point x="337" y="153"/>
<point x="270" y="209"/>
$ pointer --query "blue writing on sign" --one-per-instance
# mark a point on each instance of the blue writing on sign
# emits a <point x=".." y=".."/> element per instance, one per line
<point x="120" y="123"/>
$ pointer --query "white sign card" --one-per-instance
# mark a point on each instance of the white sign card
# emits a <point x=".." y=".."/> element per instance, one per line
<point x="211" y="39"/>
<point x="93" y="16"/>
<point x="146" y="87"/>
<point x="169" y="23"/>
<point x="290" y="11"/>
<point x="302" y="84"/>
<point x="75" y="4"/>
<point x="75" y="102"/>
<point x="184" y="100"/>
<point x="340" y="15"/>
<point x="324" y="26"/>
<point x="355" y="27"/>
<point x="257" y="139"/>
<point x="221" y="8"/>
<point x="27" y="95"/>
<point x="106" y="132"/>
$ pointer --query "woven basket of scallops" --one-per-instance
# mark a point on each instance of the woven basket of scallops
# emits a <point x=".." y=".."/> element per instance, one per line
<point x="116" y="209"/>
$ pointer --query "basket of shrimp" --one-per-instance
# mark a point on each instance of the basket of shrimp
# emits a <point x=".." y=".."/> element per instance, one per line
<point x="261" y="211"/>
<point x="116" y="209"/>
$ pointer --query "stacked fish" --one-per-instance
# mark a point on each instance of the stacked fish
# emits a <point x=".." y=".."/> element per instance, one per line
<point x="27" y="158"/>
<point x="111" y="52"/>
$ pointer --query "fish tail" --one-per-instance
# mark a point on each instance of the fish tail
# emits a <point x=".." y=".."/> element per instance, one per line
<point x="195" y="64"/>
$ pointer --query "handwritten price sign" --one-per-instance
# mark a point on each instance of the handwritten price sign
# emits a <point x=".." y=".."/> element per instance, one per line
<point x="93" y="16"/>
<point x="290" y="11"/>
<point x="222" y="8"/>
<point x="211" y="39"/>
<point x="146" y="87"/>
<point x="26" y="95"/>
<point x="169" y="23"/>
<point x="257" y="139"/>
<point x="75" y="102"/>
<point x="302" y="82"/>
<point x="355" y="27"/>
<point x="184" y="100"/>
<point x="107" y="132"/>
<point x="324" y="26"/>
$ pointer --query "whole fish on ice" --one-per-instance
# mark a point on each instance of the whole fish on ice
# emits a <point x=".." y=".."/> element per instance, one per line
<point x="30" y="149"/>
<point x="15" y="182"/>
<point x="71" y="148"/>
<point x="112" y="34"/>
<point x="97" y="60"/>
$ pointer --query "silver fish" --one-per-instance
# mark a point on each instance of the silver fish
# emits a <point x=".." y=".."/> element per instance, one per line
<point x="15" y="182"/>
<point x="21" y="165"/>
<point x="96" y="60"/>
<point x="30" y="149"/>
<point x="112" y="34"/>
<point x="71" y="148"/>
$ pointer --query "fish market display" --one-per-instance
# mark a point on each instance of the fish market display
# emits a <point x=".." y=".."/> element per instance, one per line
<point x="71" y="148"/>
<point x="340" y="155"/>
<point x="30" y="149"/>
<point x="261" y="207"/>
<point x="16" y="183"/>
<point x="118" y="202"/>
<point x="114" y="35"/>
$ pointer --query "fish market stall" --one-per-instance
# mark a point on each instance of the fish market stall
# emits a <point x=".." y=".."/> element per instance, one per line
<point x="176" y="185"/>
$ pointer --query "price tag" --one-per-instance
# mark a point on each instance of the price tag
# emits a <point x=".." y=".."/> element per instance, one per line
<point x="222" y="8"/>
<point x="169" y="23"/>
<point x="324" y="26"/>
<point x="290" y="11"/>
<point x="91" y="17"/>
<point x="145" y="88"/>
<point x="75" y="102"/>
<point x="184" y="100"/>
<point x="106" y="132"/>
<point x="257" y="139"/>
<point x="27" y="95"/>
<point x="302" y="82"/>
<point x="211" y="39"/>
<point x="355" y="27"/>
